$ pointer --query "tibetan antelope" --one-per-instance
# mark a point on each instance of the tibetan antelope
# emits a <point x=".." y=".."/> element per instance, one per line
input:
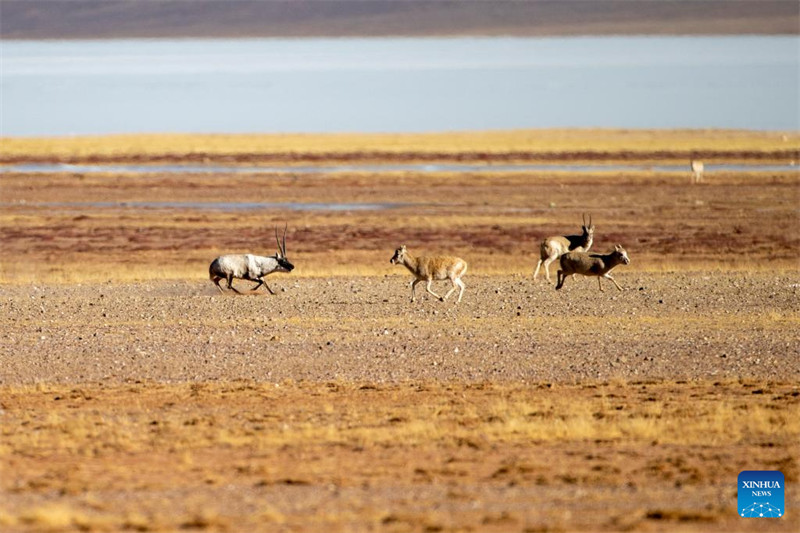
<point x="697" y="171"/>
<point x="432" y="268"/>
<point x="587" y="264"/>
<point x="554" y="247"/>
<point x="250" y="267"/>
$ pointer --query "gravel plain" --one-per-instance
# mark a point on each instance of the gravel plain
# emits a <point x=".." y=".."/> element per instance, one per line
<point x="699" y="325"/>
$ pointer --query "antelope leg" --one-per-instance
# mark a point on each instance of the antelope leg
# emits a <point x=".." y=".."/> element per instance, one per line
<point x="538" y="266"/>
<point x="413" y="289"/>
<point x="612" y="281"/>
<point x="230" y="285"/>
<point x="461" y="292"/>
<point x="216" y="282"/>
<point x="428" y="288"/>
<point x="454" y="287"/>
<point x="267" y="287"/>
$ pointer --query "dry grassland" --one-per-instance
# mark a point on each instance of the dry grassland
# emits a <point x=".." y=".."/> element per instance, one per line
<point x="72" y="226"/>
<point x="521" y="145"/>
<point x="51" y="231"/>
<point x="135" y="397"/>
<point x="648" y="456"/>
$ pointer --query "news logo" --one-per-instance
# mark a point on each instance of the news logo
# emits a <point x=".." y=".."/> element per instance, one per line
<point x="761" y="494"/>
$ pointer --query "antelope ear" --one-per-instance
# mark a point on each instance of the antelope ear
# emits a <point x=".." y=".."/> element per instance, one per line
<point x="403" y="247"/>
<point x="617" y="247"/>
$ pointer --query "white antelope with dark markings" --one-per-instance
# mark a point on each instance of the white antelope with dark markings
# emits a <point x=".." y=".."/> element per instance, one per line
<point x="430" y="269"/>
<point x="587" y="264"/>
<point x="250" y="267"/>
<point x="554" y="247"/>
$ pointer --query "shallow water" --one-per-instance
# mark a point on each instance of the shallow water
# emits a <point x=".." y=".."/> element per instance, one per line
<point x="215" y="206"/>
<point x="48" y="168"/>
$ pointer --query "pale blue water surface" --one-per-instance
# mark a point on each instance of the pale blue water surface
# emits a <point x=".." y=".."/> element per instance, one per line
<point x="398" y="85"/>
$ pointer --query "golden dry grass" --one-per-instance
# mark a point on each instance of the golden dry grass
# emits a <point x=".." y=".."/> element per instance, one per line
<point x="529" y="141"/>
<point x="89" y="442"/>
<point x="502" y="413"/>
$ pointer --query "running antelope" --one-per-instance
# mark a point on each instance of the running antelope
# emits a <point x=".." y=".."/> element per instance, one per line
<point x="697" y="171"/>
<point x="432" y="268"/>
<point x="587" y="264"/>
<point x="554" y="247"/>
<point x="250" y="267"/>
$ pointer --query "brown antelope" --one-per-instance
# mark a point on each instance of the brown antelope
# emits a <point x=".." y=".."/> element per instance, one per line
<point x="250" y="267"/>
<point x="554" y="247"/>
<point x="697" y="171"/>
<point x="587" y="264"/>
<point x="430" y="269"/>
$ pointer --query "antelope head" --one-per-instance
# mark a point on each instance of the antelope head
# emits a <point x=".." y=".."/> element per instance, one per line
<point x="283" y="263"/>
<point x="399" y="255"/>
<point x="622" y="254"/>
<point x="588" y="229"/>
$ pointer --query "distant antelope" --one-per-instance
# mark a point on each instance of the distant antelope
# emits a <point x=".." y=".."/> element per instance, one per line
<point x="697" y="171"/>
<point x="432" y="268"/>
<point x="599" y="265"/>
<point x="554" y="247"/>
<point x="250" y="267"/>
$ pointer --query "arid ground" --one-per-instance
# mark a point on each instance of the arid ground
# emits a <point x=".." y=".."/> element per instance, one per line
<point x="136" y="396"/>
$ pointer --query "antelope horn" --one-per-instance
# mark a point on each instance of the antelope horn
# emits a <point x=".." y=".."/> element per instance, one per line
<point x="584" y="218"/>
<point x="590" y="220"/>
<point x="284" y="239"/>
<point x="278" y="240"/>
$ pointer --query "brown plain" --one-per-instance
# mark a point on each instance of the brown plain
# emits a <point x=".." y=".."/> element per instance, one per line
<point x="133" y="396"/>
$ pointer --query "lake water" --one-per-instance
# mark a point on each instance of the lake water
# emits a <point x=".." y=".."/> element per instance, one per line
<point x="428" y="168"/>
<point x="83" y="207"/>
<point x="398" y="85"/>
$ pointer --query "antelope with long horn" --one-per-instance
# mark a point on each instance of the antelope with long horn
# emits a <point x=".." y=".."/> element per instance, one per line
<point x="250" y="267"/>
<point x="430" y="269"/>
<point x="554" y="247"/>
